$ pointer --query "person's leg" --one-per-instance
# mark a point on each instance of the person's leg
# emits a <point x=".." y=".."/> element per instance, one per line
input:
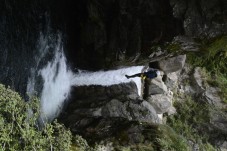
<point x="133" y="76"/>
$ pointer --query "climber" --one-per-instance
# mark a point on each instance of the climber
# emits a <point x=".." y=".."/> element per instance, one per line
<point x="151" y="73"/>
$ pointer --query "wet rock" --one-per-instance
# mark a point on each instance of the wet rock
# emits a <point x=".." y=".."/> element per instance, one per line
<point x="172" y="64"/>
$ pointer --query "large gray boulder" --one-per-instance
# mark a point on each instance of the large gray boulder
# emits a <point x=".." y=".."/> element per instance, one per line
<point x="116" y="101"/>
<point x="161" y="102"/>
<point x="172" y="64"/>
<point x="171" y="80"/>
<point x="137" y="111"/>
<point x="155" y="86"/>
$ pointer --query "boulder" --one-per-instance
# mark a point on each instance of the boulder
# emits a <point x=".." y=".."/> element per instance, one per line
<point x="116" y="101"/>
<point x="172" y="110"/>
<point x="141" y="112"/>
<point x="211" y="95"/>
<point x="162" y="103"/>
<point x="171" y="80"/>
<point x="199" y="80"/>
<point x="223" y="146"/>
<point x="155" y="86"/>
<point x="95" y="95"/>
<point x="172" y="64"/>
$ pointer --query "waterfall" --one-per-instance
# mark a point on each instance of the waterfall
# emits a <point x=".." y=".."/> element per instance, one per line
<point x="107" y="78"/>
<point x="50" y="76"/>
<point x="51" y="79"/>
<point x="57" y="82"/>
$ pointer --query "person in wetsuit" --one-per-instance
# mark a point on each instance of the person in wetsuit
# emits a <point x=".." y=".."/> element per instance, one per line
<point x="151" y="73"/>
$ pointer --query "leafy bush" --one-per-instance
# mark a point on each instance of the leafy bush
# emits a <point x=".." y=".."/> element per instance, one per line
<point x="19" y="129"/>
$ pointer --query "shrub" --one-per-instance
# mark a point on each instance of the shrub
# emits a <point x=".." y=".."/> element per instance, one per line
<point x="19" y="129"/>
<point x="213" y="56"/>
<point x="191" y="122"/>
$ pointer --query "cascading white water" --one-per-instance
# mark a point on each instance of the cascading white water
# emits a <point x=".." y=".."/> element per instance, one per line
<point x="107" y="78"/>
<point x="58" y="79"/>
<point x="57" y="82"/>
<point x="55" y="75"/>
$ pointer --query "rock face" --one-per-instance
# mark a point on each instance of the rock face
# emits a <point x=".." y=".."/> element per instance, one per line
<point x="100" y="32"/>
<point x="141" y="112"/>
<point x="172" y="64"/>
<point x="207" y="93"/>
<point x="160" y="102"/>
<point x="201" y="18"/>
<point x="117" y="101"/>
<point x="108" y="30"/>
<point x="171" y="80"/>
<point x="199" y="80"/>
<point x="156" y="86"/>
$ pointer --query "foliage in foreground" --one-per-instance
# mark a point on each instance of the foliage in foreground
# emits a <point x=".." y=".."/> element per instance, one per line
<point x="213" y="57"/>
<point x="150" y="138"/>
<point x="19" y="129"/>
<point x="191" y="122"/>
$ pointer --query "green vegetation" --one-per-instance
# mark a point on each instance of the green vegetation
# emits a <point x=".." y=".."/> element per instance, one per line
<point x="213" y="57"/>
<point x="168" y="139"/>
<point x="191" y="122"/>
<point x="19" y="129"/>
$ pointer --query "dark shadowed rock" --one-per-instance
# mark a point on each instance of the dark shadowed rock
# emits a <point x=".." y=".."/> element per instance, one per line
<point x="116" y="101"/>
<point x="186" y="43"/>
<point x="141" y="111"/>
<point x="205" y="18"/>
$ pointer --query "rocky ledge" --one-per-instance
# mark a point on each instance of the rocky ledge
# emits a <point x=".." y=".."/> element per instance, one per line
<point x="92" y="107"/>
